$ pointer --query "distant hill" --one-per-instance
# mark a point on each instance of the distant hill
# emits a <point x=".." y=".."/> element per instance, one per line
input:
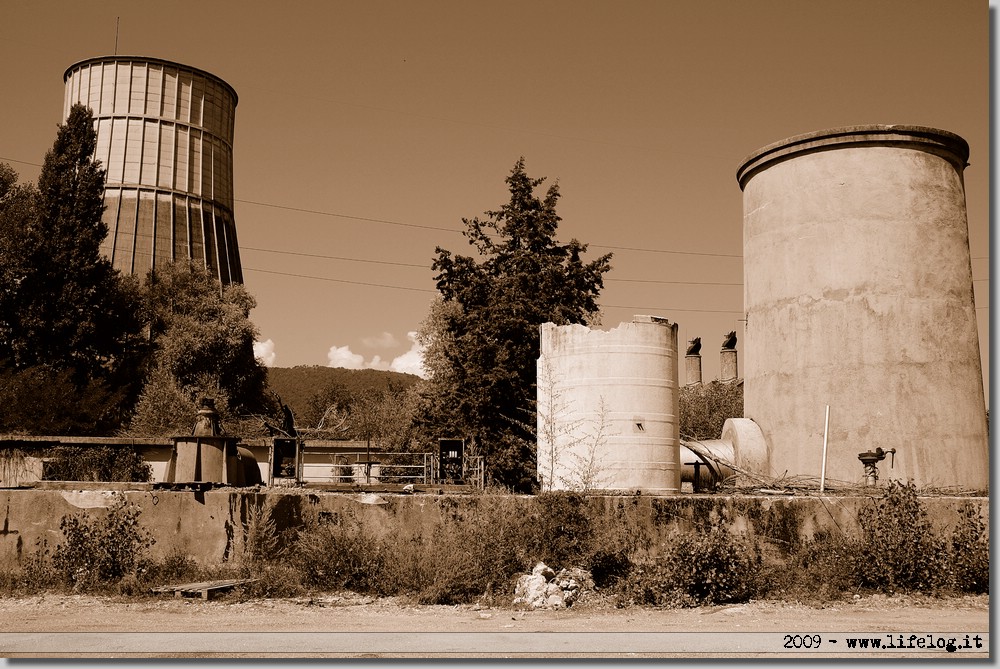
<point x="295" y="385"/>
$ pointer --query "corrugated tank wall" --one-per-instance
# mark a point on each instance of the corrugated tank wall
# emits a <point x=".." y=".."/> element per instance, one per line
<point x="608" y="407"/>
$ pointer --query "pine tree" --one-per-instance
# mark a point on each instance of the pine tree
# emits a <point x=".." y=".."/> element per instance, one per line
<point x="482" y="338"/>
<point x="69" y="322"/>
<point x="69" y="308"/>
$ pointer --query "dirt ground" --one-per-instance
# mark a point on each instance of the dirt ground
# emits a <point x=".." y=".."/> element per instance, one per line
<point x="354" y="626"/>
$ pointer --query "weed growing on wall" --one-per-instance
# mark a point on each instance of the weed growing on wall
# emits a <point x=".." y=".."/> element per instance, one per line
<point x="36" y="574"/>
<point x="97" y="551"/>
<point x="13" y="466"/>
<point x="264" y="555"/>
<point x="260" y="534"/>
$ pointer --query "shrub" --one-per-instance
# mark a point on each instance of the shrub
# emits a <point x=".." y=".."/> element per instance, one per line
<point x="475" y="556"/>
<point x="898" y="549"/>
<point x="970" y="552"/>
<point x="337" y="557"/>
<point x="264" y="556"/>
<point x="176" y="566"/>
<point x="696" y="569"/>
<point x="37" y="572"/>
<point x="260" y="535"/>
<point x="821" y="568"/>
<point x="100" y="551"/>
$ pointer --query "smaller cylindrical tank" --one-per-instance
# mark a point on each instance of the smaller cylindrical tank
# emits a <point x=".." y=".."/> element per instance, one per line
<point x="608" y="407"/>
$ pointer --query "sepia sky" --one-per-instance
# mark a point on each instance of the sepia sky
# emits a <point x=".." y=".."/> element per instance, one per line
<point x="366" y="131"/>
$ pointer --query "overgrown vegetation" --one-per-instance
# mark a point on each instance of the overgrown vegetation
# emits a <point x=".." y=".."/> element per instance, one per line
<point x="96" y="463"/>
<point x="705" y="407"/>
<point x="476" y="549"/>
<point x="699" y="568"/>
<point x="899" y="549"/>
<point x="98" y="550"/>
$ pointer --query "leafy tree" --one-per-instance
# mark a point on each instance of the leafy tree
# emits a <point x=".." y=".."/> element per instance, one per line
<point x="203" y="346"/>
<point x="383" y="418"/>
<point x="43" y="400"/>
<point x="483" y="335"/>
<point x="327" y="409"/>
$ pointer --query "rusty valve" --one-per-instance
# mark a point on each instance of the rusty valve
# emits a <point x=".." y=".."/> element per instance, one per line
<point x="869" y="460"/>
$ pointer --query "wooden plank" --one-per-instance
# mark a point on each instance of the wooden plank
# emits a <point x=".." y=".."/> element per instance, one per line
<point x="204" y="588"/>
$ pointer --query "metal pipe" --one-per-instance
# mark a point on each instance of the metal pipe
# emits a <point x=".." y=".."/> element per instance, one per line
<point x="826" y="432"/>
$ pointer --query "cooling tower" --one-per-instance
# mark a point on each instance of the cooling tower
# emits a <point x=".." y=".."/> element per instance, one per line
<point x="608" y="407"/>
<point x="858" y="293"/>
<point x="165" y="137"/>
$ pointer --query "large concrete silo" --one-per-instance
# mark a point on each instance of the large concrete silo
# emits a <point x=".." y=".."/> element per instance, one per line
<point x="608" y="407"/>
<point x="165" y="137"/>
<point x="858" y="293"/>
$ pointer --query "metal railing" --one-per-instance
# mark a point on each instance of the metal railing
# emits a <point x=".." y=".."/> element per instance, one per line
<point x="399" y="468"/>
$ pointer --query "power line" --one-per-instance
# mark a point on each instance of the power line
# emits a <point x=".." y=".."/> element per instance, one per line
<point x="319" y="212"/>
<point x="326" y="257"/>
<point x="665" y="309"/>
<point x="424" y="290"/>
<point x="679" y="283"/>
<point x="336" y="215"/>
<point x="20" y="162"/>
<point x="323" y="278"/>
<point x="682" y="253"/>
<point x="332" y="214"/>
<point x="427" y="266"/>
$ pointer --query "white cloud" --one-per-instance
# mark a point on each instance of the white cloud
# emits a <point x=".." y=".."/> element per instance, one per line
<point x="264" y="351"/>
<point x="377" y="363"/>
<point x="342" y="356"/>
<point x="384" y="340"/>
<point x="411" y="362"/>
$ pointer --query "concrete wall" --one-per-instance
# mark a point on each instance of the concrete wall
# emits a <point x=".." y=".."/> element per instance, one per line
<point x="858" y="293"/>
<point x="208" y="526"/>
<point x="608" y="407"/>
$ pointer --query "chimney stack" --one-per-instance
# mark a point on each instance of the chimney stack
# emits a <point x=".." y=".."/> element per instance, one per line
<point x="692" y="362"/>
<point x="730" y="370"/>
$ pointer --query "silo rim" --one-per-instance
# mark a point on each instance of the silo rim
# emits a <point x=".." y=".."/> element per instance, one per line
<point x="158" y="61"/>
<point x="933" y="140"/>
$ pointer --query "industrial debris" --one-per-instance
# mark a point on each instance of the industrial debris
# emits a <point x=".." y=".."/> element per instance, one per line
<point x="543" y="588"/>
